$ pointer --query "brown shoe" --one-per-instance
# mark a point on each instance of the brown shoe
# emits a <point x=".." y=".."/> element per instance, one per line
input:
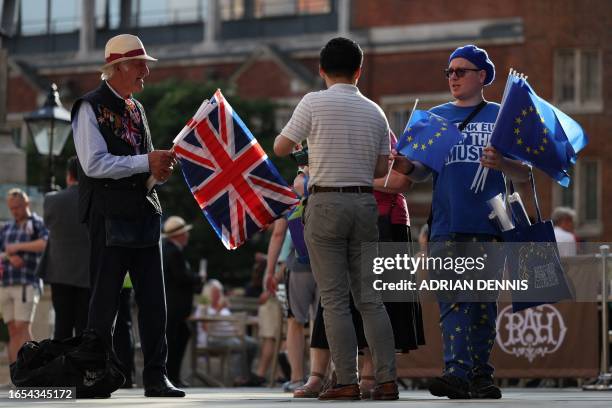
<point x="385" y="391"/>
<point x="345" y="392"/>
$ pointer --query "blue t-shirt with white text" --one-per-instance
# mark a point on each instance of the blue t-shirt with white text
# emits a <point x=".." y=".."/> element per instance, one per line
<point x="456" y="208"/>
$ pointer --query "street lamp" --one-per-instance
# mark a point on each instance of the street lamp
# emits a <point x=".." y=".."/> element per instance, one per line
<point x="49" y="127"/>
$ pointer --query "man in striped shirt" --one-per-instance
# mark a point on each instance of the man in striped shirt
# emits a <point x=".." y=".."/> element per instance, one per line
<point x="348" y="142"/>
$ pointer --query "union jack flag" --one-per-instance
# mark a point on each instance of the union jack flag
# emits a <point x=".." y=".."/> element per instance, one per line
<point x="230" y="176"/>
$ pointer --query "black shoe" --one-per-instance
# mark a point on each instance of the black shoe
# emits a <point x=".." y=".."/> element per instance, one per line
<point x="283" y="362"/>
<point x="482" y="387"/>
<point x="253" y="380"/>
<point x="450" y="386"/>
<point x="163" y="389"/>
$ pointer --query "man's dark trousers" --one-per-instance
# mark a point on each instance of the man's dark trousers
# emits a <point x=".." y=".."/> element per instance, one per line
<point x="108" y="268"/>
<point x="123" y="336"/>
<point x="70" y="304"/>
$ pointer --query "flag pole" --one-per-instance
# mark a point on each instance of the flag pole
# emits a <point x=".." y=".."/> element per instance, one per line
<point x="480" y="177"/>
<point x="393" y="160"/>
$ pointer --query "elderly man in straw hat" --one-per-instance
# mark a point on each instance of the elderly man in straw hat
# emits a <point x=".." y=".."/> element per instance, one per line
<point x="181" y="284"/>
<point x="114" y="148"/>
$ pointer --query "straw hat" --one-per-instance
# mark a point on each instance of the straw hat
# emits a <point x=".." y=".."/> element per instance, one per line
<point x="124" y="47"/>
<point x="175" y="225"/>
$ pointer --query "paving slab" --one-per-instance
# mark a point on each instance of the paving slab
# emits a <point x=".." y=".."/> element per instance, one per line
<point x="275" y="398"/>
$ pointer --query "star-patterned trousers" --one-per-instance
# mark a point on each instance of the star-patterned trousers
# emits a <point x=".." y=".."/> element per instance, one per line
<point x="468" y="333"/>
<point x="469" y="328"/>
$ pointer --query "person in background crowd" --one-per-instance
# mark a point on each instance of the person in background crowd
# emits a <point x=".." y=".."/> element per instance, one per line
<point x="269" y="314"/>
<point x="223" y="333"/>
<point x="302" y="293"/>
<point x="22" y="240"/>
<point x="181" y="285"/>
<point x="65" y="262"/>
<point x="563" y="219"/>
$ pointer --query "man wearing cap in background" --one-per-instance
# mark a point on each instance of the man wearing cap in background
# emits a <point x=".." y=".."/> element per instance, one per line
<point x="114" y="147"/>
<point x="460" y="215"/>
<point x="181" y="284"/>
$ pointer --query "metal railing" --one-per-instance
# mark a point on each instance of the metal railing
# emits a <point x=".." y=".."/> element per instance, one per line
<point x="604" y="381"/>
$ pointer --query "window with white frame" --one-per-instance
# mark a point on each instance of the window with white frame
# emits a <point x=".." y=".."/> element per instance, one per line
<point x="584" y="195"/>
<point x="578" y="80"/>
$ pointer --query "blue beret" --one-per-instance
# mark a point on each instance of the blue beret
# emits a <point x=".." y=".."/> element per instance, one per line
<point x="478" y="57"/>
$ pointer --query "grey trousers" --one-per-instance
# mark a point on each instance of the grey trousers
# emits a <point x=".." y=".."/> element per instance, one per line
<point x="336" y="226"/>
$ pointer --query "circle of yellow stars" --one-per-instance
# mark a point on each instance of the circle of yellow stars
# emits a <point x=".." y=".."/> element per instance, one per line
<point x="522" y="117"/>
<point x="423" y="146"/>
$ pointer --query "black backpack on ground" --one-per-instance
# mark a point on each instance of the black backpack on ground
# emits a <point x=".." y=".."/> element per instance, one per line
<point x="84" y="362"/>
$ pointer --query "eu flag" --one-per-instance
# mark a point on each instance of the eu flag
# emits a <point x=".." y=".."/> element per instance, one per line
<point x="532" y="130"/>
<point x="428" y="138"/>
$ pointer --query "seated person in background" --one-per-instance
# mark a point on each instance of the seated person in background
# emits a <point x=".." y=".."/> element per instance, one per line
<point x="223" y="333"/>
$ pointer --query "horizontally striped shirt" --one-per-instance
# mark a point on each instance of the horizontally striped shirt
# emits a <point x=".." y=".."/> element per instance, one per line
<point x="346" y="133"/>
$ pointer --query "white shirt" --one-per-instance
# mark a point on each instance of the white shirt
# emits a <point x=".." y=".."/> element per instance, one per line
<point x="346" y="133"/>
<point x="566" y="241"/>
<point x="220" y="329"/>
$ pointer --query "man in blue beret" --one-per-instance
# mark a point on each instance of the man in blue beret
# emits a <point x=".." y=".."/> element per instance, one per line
<point x="460" y="215"/>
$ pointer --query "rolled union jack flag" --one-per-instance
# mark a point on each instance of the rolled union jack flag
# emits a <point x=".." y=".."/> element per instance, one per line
<point x="230" y="176"/>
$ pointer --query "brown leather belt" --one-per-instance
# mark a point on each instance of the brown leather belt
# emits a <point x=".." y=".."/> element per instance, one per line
<point x="347" y="189"/>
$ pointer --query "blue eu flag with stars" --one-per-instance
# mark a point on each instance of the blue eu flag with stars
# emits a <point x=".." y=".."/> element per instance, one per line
<point x="428" y="138"/>
<point x="532" y="130"/>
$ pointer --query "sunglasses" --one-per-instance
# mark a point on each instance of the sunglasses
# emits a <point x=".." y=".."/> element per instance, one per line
<point x="460" y="72"/>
